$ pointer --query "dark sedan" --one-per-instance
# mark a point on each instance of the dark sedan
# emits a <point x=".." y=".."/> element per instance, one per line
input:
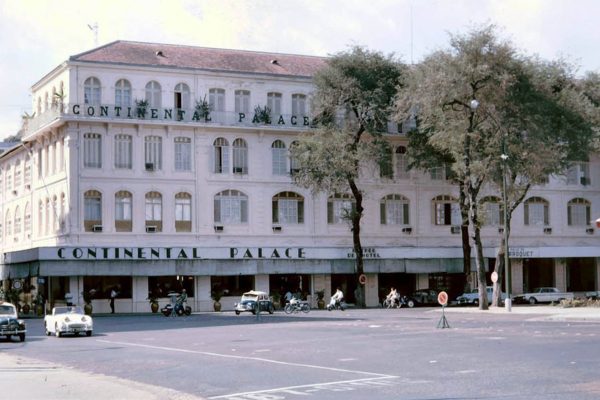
<point x="424" y="297"/>
<point x="10" y="324"/>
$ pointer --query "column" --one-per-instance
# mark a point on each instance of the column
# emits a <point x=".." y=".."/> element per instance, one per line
<point x="372" y="291"/>
<point x="560" y="274"/>
<point x="516" y="276"/>
<point x="202" y="300"/>
<point x="139" y="294"/>
<point x="422" y="281"/>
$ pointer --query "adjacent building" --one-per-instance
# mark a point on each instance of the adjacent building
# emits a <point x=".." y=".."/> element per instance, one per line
<point x="149" y="168"/>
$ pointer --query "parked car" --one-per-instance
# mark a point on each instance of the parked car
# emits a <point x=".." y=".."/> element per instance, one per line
<point x="543" y="295"/>
<point x="251" y="299"/>
<point x="473" y="296"/>
<point x="424" y="297"/>
<point x="10" y="324"/>
<point x="68" y="320"/>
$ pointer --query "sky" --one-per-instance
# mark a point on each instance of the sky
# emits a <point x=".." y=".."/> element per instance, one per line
<point x="38" y="35"/>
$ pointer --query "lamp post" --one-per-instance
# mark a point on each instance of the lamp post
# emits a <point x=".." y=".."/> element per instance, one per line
<point x="508" y="301"/>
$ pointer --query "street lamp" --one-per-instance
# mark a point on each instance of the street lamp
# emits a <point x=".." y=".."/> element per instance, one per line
<point x="508" y="301"/>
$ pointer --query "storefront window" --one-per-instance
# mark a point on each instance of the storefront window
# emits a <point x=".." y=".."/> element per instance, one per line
<point x="160" y="286"/>
<point x="101" y="286"/>
<point x="232" y="285"/>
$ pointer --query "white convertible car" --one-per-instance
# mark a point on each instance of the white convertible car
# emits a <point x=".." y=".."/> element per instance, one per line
<point x="70" y="319"/>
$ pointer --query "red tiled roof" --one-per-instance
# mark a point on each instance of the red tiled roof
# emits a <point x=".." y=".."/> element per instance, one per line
<point x="179" y="56"/>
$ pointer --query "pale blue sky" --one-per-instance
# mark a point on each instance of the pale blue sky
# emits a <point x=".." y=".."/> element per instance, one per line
<point x="37" y="35"/>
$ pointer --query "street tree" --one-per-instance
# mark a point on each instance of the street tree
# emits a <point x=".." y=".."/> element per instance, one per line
<point x="352" y="105"/>
<point x="481" y="99"/>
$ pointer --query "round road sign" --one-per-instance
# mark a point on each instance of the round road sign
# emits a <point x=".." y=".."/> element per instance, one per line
<point x="494" y="277"/>
<point x="443" y="298"/>
<point x="362" y="279"/>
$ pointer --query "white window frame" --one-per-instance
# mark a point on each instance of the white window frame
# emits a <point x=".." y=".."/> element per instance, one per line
<point x="153" y="151"/>
<point x="240" y="157"/>
<point x="220" y="156"/>
<point x="123" y="206"/>
<point x="153" y="207"/>
<point x="123" y="93"/>
<point x="92" y="150"/>
<point x="536" y="212"/>
<point x="299" y="105"/>
<point x="123" y="151"/>
<point x="183" y="153"/>
<point x="279" y="155"/>
<point x="231" y="207"/>
<point x="92" y="91"/>
<point x="579" y="212"/>
<point x="288" y="208"/>
<point x="441" y="206"/>
<point x="242" y="101"/>
<point x="153" y="94"/>
<point x="394" y="210"/>
<point x="216" y="99"/>
<point x="181" y="95"/>
<point x="274" y="103"/>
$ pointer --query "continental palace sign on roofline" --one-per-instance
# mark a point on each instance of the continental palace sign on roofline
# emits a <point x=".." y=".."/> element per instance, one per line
<point x="262" y="117"/>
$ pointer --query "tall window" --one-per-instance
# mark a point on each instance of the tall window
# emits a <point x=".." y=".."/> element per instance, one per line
<point x="123" y="208"/>
<point x="9" y="178"/>
<point x="294" y="162"/>
<point x="183" y="154"/>
<point x="8" y="223"/>
<point x="242" y="101"/>
<point x="279" y="158"/>
<point x="153" y="94"/>
<point x="27" y="220"/>
<point x="240" y="157"/>
<point x="446" y="211"/>
<point x="92" y="150"/>
<point x="153" y="153"/>
<point x="441" y="172"/>
<point x="393" y="210"/>
<point x="154" y="211"/>
<point x="536" y="211"/>
<point x="92" y="91"/>
<point x="63" y="208"/>
<point x="401" y="168"/>
<point x="123" y="151"/>
<point x="340" y="208"/>
<point x="579" y="212"/>
<point x="27" y="176"/>
<point x="17" y="221"/>
<point x="123" y="93"/>
<point x="92" y="214"/>
<point x="54" y="213"/>
<point x="288" y="208"/>
<point x="493" y="211"/>
<point x="221" y="156"/>
<point x="579" y="174"/>
<point x="18" y="174"/>
<point x="216" y="100"/>
<point x="183" y="212"/>
<point x="299" y="105"/>
<point x="231" y="207"/>
<point x="181" y="96"/>
<point x="386" y="169"/>
<point x="274" y="104"/>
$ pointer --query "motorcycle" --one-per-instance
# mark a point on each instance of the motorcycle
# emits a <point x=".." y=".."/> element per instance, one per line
<point x="338" y="305"/>
<point x="295" y="306"/>
<point x="180" y="309"/>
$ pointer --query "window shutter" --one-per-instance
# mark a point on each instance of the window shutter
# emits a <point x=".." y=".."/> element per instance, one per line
<point x="588" y="215"/>
<point x="275" y="212"/>
<point x="546" y="216"/>
<point x="330" y="212"/>
<point x="225" y="159"/>
<point x="217" y="211"/>
<point x="526" y="214"/>
<point x="301" y="211"/>
<point x="569" y="220"/>
<point x="244" y="210"/>
<point x="405" y="212"/>
<point x="447" y="213"/>
<point x="382" y="213"/>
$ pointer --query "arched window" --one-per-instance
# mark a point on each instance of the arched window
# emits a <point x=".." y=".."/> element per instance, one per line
<point x="386" y="169"/>
<point x="55" y="218"/>
<point x="242" y="101"/>
<point x="63" y="208"/>
<point x="340" y="208"/>
<point x="394" y="210"/>
<point x="240" y="157"/>
<point x="92" y="214"/>
<point x="40" y="222"/>
<point x="221" y="156"/>
<point x="27" y="220"/>
<point x="92" y="91"/>
<point x="123" y="211"/>
<point x="493" y="211"/>
<point x="123" y="93"/>
<point x="446" y="211"/>
<point x="274" y="104"/>
<point x="279" y="158"/>
<point x="536" y="211"/>
<point x="183" y="212"/>
<point x="181" y="96"/>
<point x="294" y="162"/>
<point x="18" y="174"/>
<point x="8" y="223"/>
<point x="288" y="208"/>
<point x="17" y="221"/>
<point x="153" y="94"/>
<point x="231" y="207"/>
<point x="153" y="212"/>
<point x="579" y="212"/>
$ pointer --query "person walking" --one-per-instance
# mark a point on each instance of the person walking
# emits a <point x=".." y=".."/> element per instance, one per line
<point x="113" y="296"/>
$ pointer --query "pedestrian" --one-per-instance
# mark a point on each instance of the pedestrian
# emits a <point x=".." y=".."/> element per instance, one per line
<point x="113" y="295"/>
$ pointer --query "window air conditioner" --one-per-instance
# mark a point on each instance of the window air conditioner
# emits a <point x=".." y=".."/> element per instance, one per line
<point x="276" y="228"/>
<point x="407" y="230"/>
<point x="218" y="228"/>
<point x="238" y="170"/>
<point x="14" y="192"/>
<point x="149" y="166"/>
<point x="151" y="228"/>
<point x="547" y="231"/>
<point x="455" y="230"/>
<point x="97" y="228"/>
<point x="584" y="180"/>
<point x="27" y="186"/>
<point x="500" y="230"/>
<point x="589" y="231"/>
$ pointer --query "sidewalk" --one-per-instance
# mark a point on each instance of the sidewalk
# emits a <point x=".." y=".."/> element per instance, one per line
<point x="540" y="312"/>
<point x="32" y="379"/>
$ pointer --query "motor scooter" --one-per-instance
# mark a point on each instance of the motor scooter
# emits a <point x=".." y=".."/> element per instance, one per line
<point x="180" y="309"/>
<point x="338" y="305"/>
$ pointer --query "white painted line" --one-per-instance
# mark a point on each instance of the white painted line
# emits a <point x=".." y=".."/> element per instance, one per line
<point x="290" y="388"/>
<point x="266" y="360"/>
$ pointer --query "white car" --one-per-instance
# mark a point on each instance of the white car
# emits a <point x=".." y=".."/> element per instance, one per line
<point x="69" y="319"/>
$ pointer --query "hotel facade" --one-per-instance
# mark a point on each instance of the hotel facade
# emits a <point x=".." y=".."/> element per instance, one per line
<point x="151" y="167"/>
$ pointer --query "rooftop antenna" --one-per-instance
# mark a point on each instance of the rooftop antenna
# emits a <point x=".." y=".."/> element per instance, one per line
<point x="94" y="28"/>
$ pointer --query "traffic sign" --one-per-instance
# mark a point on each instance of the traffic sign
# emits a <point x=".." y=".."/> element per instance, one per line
<point x="494" y="277"/>
<point x="362" y="279"/>
<point x="442" y="298"/>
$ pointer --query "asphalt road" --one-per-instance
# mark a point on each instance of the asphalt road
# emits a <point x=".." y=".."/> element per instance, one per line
<point x="355" y="354"/>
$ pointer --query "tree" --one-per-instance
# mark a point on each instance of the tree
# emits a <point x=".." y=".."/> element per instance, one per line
<point x="480" y="99"/>
<point x="352" y="105"/>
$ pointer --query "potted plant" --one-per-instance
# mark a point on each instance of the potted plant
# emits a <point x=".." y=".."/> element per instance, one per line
<point x="216" y="296"/>
<point x="141" y="106"/>
<point x="262" y="115"/>
<point x="276" y="299"/>
<point x="88" y="296"/>
<point x="203" y="109"/>
<point x="38" y="303"/>
<point x="153" y="300"/>
<point x="320" y="299"/>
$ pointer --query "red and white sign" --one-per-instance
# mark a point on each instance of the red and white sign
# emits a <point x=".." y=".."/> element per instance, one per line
<point x="443" y="298"/>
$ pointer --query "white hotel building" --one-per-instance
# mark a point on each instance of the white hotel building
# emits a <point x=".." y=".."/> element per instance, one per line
<point x="104" y="193"/>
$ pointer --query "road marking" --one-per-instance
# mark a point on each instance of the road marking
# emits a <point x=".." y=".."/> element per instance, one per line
<point x="266" y="360"/>
<point x="314" y="387"/>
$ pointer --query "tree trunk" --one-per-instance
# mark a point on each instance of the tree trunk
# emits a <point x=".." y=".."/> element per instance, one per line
<point x="466" y="245"/>
<point x="496" y="299"/>
<point x="357" y="245"/>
